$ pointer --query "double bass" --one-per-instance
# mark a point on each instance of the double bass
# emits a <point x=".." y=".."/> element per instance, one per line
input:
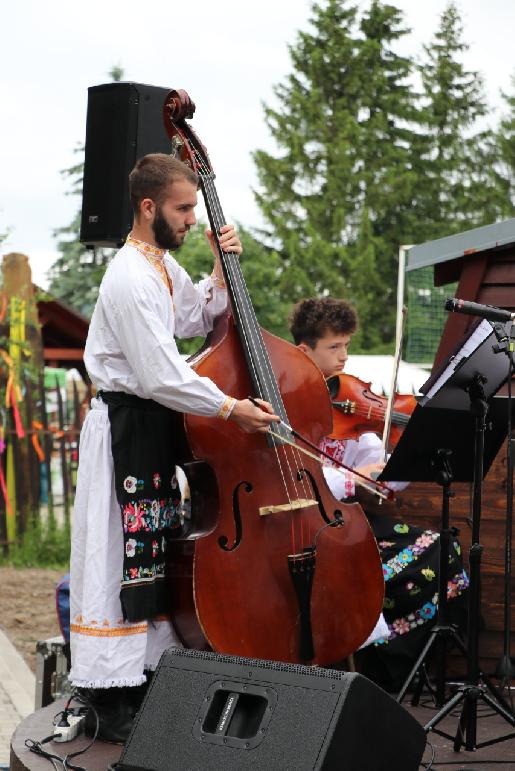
<point x="273" y="566"/>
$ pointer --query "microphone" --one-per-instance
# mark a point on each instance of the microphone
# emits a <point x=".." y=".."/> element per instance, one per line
<point x="490" y="312"/>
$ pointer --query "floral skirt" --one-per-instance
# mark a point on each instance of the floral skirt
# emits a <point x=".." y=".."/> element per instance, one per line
<point x="411" y="561"/>
<point x="149" y="496"/>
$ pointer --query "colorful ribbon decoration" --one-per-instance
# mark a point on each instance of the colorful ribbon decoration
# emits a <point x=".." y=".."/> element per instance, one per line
<point x="13" y="394"/>
<point x="37" y="426"/>
<point x="3" y="485"/>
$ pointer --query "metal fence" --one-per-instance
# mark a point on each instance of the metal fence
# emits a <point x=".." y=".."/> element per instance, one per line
<point x="39" y="453"/>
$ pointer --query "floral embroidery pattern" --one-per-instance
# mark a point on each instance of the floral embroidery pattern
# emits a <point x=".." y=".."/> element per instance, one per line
<point x="399" y="626"/>
<point x="129" y="484"/>
<point x="150" y="515"/>
<point x="146" y="523"/>
<point x="133" y="574"/>
<point x="133" y="547"/>
<point x="401" y="560"/>
<point x="156" y="481"/>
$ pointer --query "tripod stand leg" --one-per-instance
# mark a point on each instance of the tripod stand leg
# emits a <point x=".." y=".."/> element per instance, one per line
<point x="506" y="714"/>
<point x="467" y="725"/>
<point x="442" y="630"/>
<point x="466" y="734"/>
<point x="496" y="692"/>
<point x="416" y="666"/>
<point x="444" y="711"/>
<point x="441" y="670"/>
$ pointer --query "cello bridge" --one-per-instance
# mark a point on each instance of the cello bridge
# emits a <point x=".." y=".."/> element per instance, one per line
<point x="300" y="503"/>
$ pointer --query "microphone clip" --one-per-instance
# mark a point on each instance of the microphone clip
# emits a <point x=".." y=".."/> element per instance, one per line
<point x="504" y="341"/>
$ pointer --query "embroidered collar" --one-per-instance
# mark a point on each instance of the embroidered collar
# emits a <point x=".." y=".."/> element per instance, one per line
<point x="154" y="252"/>
<point x="154" y="256"/>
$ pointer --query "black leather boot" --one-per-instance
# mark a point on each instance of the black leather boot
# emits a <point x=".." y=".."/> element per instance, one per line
<point x="115" y="709"/>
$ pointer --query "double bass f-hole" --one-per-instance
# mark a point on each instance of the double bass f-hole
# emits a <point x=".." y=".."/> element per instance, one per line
<point x="238" y="529"/>
<point x="247" y="487"/>
<point x="338" y="514"/>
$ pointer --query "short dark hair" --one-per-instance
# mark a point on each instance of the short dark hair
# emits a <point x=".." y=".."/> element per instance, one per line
<point x="311" y="319"/>
<point x="152" y="175"/>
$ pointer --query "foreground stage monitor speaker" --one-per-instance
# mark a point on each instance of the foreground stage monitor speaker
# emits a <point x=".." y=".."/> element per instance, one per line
<point x="124" y="122"/>
<point x="207" y="711"/>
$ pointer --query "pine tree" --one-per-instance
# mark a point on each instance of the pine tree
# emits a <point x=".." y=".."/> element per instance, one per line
<point x="309" y="191"/>
<point x="463" y="185"/>
<point x="76" y="274"/>
<point x="388" y="118"/>
<point x="344" y="176"/>
<point x="506" y="144"/>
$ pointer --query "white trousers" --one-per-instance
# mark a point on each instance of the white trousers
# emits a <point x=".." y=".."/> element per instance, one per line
<point x="106" y="651"/>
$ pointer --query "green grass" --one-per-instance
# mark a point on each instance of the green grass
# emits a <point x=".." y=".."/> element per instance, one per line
<point x="42" y="545"/>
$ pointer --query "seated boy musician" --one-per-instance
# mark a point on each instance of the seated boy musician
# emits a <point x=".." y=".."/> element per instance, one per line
<point x="323" y="329"/>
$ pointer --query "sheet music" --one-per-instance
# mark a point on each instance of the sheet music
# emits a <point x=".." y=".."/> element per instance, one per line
<point x="470" y="345"/>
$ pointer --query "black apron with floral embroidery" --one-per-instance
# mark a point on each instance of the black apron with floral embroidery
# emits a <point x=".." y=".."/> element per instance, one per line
<point x="142" y="436"/>
<point x="411" y="562"/>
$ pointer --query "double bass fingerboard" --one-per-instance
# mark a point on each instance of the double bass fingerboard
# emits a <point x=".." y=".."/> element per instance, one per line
<point x="256" y="355"/>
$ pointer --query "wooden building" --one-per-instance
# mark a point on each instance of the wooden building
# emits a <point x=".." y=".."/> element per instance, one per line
<point x="482" y="261"/>
<point x="64" y="333"/>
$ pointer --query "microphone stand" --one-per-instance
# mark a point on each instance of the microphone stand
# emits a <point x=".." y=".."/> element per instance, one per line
<point x="473" y="691"/>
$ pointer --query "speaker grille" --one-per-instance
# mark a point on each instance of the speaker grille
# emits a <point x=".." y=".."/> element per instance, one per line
<point x="276" y="666"/>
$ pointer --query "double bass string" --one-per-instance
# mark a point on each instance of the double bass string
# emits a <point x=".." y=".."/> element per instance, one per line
<point x="248" y="327"/>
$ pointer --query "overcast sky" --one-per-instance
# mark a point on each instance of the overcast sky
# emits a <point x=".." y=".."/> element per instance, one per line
<point x="227" y="54"/>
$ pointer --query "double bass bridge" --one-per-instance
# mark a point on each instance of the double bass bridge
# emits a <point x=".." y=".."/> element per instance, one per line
<point x="299" y="503"/>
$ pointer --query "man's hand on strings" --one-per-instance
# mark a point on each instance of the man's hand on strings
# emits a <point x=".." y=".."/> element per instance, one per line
<point x="228" y="238"/>
<point x="251" y="418"/>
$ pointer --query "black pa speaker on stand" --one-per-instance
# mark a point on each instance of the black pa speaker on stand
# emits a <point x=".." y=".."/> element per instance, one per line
<point x="124" y="122"/>
<point x="205" y="711"/>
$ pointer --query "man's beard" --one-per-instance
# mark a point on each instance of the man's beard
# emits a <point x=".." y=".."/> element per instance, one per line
<point x="164" y="236"/>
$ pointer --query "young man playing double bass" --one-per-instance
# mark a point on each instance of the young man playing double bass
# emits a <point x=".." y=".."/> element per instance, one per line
<point x="128" y="499"/>
<point x="323" y="329"/>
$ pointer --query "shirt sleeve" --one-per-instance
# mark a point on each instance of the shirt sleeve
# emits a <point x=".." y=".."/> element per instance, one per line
<point x="340" y="482"/>
<point x="370" y="450"/>
<point x="196" y="305"/>
<point x="366" y="450"/>
<point x="133" y="313"/>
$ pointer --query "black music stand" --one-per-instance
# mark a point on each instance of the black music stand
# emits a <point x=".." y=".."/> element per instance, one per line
<point x="438" y="446"/>
<point x="456" y="402"/>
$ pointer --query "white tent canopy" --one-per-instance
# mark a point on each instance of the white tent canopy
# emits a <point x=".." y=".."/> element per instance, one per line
<point x="377" y="370"/>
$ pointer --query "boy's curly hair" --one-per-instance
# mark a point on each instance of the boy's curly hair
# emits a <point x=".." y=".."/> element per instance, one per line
<point x="312" y="318"/>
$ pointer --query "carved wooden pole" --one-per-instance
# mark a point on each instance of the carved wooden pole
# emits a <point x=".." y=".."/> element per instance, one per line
<point x="19" y="331"/>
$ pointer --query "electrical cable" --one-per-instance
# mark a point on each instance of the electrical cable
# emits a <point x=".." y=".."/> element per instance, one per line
<point x="429" y="765"/>
<point x="37" y="746"/>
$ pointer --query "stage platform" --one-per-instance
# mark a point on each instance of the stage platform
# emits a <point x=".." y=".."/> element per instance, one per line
<point x="497" y="757"/>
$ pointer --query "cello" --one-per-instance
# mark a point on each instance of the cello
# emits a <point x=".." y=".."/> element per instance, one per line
<point x="273" y="566"/>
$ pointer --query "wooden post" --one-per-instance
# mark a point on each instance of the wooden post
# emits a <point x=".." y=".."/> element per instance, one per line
<point x="21" y="331"/>
<point x="64" y="465"/>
